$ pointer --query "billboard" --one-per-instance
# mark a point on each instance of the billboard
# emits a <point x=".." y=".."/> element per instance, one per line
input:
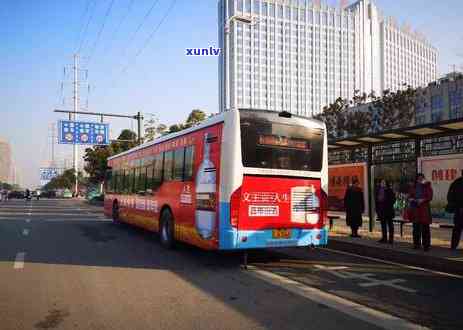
<point x="441" y="171"/>
<point x="47" y="174"/>
<point x="340" y="177"/>
<point x="78" y="132"/>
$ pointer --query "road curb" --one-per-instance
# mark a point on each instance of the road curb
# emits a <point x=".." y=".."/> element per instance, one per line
<point x="440" y="264"/>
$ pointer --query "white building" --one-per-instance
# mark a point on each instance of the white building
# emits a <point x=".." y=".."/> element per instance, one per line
<point x="298" y="56"/>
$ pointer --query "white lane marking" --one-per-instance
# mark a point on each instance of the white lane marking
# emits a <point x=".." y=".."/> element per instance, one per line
<point x="330" y="268"/>
<point x="355" y="310"/>
<point x="46" y="213"/>
<point x="82" y="219"/>
<point x="367" y="278"/>
<point x="395" y="263"/>
<point x="390" y="283"/>
<point x="28" y="220"/>
<point x="19" y="260"/>
<point x="25" y="232"/>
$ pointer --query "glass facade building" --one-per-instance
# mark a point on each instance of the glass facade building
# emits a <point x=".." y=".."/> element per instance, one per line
<point x="298" y="56"/>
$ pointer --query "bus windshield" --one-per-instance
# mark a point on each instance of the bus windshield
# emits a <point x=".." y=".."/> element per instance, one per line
<point x="268" y="141"/>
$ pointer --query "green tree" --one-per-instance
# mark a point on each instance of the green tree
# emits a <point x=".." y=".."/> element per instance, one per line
<point x="126" y="140"/>
<point x="334" y="117"/>
<point x="195" y="117"/>
<point x="6" y="186"/>
<point x="96" y="163"/>
<point x="150" y="128"/>
<point x="96" y="158"/>
<point x="175" y="128"/>
<point x="397" y="109"/>
<point x="65" y="181"/>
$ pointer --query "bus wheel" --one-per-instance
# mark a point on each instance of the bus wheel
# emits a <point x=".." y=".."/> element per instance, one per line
<point x="115" y="214"/>
<point x="167" y="229"/>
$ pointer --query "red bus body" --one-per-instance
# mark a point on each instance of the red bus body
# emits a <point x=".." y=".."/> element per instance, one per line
<point x="226" y="206"/>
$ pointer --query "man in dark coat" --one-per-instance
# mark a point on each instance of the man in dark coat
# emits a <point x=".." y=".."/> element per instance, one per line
<point x="455" y="206"/>
<point x="355" y="206"/>
<point x="385" y="200"/>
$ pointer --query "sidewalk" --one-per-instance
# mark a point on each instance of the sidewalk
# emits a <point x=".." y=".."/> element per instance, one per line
<point x="439" y="258"/>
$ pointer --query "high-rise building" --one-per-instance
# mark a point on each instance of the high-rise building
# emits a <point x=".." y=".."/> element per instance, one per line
<point x="299" y="55"/>
<point x="5" y="161"/>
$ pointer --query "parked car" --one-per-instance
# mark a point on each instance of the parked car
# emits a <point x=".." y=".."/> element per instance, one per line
<point x="93" y="193"/>
<point x="16" y="195"/>
<point x="49" y="194"/>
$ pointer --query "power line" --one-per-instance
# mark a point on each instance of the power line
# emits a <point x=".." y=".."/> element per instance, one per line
<point x="108" y="11"/>
<point x="87" y="6"/>
<point x="132" y="38"/>
<point x="86" y="29"/>
<point x="123" y="19"/>
<point x="142" y="22"/>
<point x="150" y="37"/>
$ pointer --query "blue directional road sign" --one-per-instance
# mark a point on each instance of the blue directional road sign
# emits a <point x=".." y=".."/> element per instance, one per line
<point x="78" y="132"/>
<point x="48" y="173"/>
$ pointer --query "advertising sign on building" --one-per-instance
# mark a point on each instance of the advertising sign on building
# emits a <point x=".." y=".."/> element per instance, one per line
<point x="340" y="177"/>
<point x="76" y="132"/>
<point x="441" y="171"/>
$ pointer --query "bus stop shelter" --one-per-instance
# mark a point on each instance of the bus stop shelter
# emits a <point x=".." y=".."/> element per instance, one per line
<point x="397" y="146"/>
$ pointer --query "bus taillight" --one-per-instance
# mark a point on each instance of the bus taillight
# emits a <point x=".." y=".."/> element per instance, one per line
<point x="235" y="207"/>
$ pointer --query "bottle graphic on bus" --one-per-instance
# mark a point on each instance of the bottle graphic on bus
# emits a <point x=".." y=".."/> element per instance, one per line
<point x="206" y="193"/>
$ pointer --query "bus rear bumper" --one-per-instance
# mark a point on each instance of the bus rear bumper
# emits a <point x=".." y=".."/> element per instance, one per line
<point x="234" y="239"/>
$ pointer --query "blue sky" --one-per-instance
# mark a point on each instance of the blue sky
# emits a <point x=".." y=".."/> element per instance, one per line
<point x="38" y="38"/>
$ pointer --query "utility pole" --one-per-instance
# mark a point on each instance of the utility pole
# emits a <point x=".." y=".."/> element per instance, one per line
<point x="53" y="141"/>
<point x="74" y="118"/>
<point x="139" y="119"/>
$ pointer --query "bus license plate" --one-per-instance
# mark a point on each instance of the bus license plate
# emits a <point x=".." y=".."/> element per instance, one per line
<point x="281" y="233"/>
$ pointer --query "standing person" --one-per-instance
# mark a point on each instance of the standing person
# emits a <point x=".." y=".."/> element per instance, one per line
<point x="385" y="200"/>
<point x="355" y="206"/>
<point x="420" y="197"/>
<point x="455" y="206"/>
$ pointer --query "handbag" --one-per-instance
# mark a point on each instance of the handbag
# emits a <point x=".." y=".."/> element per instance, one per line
<point x="407" y="214"/>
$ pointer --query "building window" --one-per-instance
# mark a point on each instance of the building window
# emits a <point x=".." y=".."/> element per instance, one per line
<point x="436" y="102"/>
<point x="248" y="6"/>
<point x="456" y="102"/>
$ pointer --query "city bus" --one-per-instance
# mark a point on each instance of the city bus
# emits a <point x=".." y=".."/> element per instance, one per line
<point x="242" y="179"/>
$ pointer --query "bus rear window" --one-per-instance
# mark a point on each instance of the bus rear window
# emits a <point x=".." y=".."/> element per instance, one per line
<point x="268" y="141"/>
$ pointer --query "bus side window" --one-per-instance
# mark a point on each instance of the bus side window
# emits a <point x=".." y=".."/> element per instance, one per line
<point x="168" y="165"/>
<point x="189" y="163"/>
<point x="109" y="180"/>
<point x="157" y="175"/>
<point x="141" y="182"/>
<point x="179" y="156"/>
<point x="122" y="183"/>
<point x="132" y="179"/>
<point x="149" y="179"/>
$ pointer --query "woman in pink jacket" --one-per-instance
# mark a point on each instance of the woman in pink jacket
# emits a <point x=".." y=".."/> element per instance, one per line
<point x="420" y="196"/>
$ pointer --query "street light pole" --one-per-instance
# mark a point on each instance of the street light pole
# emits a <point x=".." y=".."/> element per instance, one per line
<point x="74" y="118"/>
<point x="244" y="20"/>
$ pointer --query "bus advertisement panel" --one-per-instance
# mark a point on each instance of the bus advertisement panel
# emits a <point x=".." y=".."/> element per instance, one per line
<point x="240" y="180"/>
<point x="340" y="177"/>
<point x="441" y="171"/>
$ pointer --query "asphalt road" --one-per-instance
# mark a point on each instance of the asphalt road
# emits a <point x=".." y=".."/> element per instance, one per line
<point x="64" y="266"/>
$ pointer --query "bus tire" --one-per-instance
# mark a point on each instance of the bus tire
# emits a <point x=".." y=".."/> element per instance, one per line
<point x="115" y="213"/>
<point x="166" y="231"/>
